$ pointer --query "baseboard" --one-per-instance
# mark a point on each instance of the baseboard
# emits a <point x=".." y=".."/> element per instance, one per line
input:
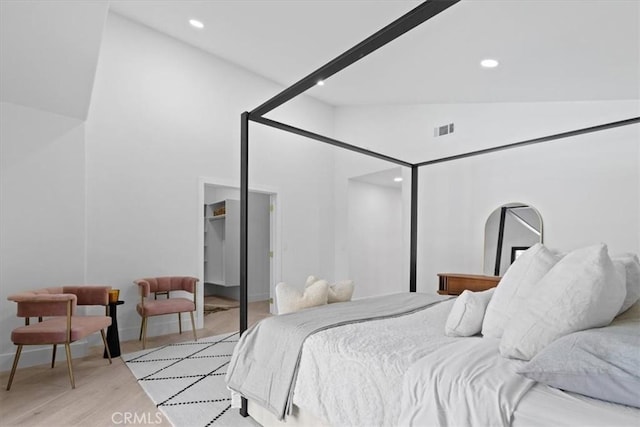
<point x="258" y="297"/>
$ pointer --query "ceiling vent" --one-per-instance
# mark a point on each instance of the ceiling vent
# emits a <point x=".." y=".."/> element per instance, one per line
<point x="443" y="130"/>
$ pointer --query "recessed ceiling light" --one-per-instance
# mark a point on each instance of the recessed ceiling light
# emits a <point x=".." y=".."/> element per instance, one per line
<point x="489" y="63"/>
<point x="398" y="179"/>
<point x="196" y="23"/>
<point x="320" y="83"/>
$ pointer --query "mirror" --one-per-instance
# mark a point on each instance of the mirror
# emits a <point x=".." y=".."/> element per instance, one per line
<point x="510" y="230"/>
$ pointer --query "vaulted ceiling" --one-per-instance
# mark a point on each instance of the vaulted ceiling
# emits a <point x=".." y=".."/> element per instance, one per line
<point x="49" y="54"/>
<point x="562" y="50"/>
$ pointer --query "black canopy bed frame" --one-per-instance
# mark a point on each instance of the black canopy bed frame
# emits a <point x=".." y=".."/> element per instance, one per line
<point x="405" y="23"/>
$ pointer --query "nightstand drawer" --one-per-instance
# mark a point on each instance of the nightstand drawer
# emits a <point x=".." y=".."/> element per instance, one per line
<point x="454" y="284"/>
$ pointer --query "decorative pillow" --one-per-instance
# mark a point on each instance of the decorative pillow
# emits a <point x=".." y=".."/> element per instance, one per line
<point x="338" y="292"/>
<point x="341" y="291"/>
<point x="465" y="318"/>
<point x="632" y="272"/>
<point x="601" y="363"/>
<point x="583" y="290"/>
<point x="519" y="281"/>
<point x="310" y="281"/>
<point x="290" y="299"/>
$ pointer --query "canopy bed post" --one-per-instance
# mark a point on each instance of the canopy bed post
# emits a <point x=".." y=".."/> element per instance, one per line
<point x="244" y="196"/>
<point x="244" y="241"/>
<point x="413" y="259"/>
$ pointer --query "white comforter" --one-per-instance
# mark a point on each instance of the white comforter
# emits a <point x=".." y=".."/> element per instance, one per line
<point x="465" y="383"/>
<point x="369" y="374"/>
<point x="352" y="375"/>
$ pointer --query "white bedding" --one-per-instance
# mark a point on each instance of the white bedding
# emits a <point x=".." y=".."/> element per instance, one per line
<point x="465" y="383"/>
<point x="353" y="376"/>
<point x="548" y="406"/>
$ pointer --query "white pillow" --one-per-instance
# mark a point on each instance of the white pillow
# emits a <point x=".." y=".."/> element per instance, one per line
<point x="600" y="363"/>
<point x="341" y="291"/>
<point x="632" y="275"/>
<point x="290" y="299"/>
<point x="465" y="318"/>
<point x="310" y="281"/>
<point x="583" y="290"/>
<point x="519" y="280"/>
<point x="338" y="292"/>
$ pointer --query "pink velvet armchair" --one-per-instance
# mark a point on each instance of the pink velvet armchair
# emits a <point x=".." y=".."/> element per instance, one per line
<point x="155" y="307"/>
<point x="58" y="323"/>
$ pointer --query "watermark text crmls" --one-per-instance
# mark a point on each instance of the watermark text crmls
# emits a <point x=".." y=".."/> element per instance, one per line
<point x="139" y="418"/>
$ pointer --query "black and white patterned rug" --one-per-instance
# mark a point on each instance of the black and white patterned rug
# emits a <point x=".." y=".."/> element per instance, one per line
<point x="186" y="381"/>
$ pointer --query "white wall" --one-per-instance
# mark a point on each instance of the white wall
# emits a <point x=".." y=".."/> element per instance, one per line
<point x="406" y="131"/>
<point x="117" y="198"/>
<point x="375" y="239"/>
<point x="164" y="114"/>
<point x="586" y="191"/>
<point x="586" y="188"/>
<point x="349" y="165"/>
<point x="42" y="211"/>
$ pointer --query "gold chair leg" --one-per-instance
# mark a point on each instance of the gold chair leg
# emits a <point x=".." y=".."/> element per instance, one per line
<point x="53" y="356"/>
<point x="67" y="347"/>
<point x="106" y="347"/>
<point x="180" y="323"/>
<point x="144" y="332"/>
<point x="15" y="365"/>
<point x="143" y="325"/>
<point x="193" y="326"/>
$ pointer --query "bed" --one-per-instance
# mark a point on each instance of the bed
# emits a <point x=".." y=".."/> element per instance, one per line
<point x="395" y="368"/>
<point x="393" y="361"/>
<point x="361" y="374"/>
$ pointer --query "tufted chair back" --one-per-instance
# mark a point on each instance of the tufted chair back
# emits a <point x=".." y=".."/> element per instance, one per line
<point x="148" y="307"/>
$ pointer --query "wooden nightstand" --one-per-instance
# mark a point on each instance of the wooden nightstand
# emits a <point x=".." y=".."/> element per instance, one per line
<point x="454" y="284"/>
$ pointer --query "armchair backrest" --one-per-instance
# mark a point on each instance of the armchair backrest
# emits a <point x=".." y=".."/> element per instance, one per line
<point x="166" y="284"/>
<point x="53" y="301"/>
<point x="44" y="304"/>
<point x="89" y="295"/>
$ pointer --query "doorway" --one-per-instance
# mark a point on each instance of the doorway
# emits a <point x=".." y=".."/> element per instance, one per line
<point x="219" y="242"/>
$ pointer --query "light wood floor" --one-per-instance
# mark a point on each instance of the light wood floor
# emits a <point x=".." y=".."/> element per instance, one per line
<point x="104" y="394"/>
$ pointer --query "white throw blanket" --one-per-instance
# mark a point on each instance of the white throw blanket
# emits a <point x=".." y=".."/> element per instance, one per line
<point x="464" y="383"/>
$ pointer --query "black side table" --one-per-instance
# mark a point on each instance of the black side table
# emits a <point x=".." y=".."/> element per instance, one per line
<point x="113" y="339"/>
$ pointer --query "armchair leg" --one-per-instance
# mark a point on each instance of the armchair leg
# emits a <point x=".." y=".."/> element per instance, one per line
<point x="15" y="365"/>
<point x="67" y="347"/>
<point x="53" y="356"/>
<point x="193" y="326"/>
<point x="106" y="347"/>
<point x="144" y="332"/>
<point x="180" y="323"/>
<point x="143" y="327"/>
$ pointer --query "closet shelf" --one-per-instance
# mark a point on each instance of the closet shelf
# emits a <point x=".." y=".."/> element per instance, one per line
<point x="216" y="217"/>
